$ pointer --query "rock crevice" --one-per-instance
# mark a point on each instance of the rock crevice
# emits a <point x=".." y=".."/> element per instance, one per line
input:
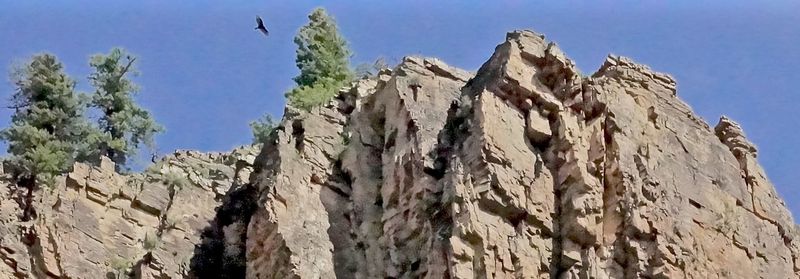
<point x="523" y="169"/>
<point x="527" y="169"/>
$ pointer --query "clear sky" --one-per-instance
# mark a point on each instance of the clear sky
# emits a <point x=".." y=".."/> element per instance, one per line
<point x="205" y="73"/>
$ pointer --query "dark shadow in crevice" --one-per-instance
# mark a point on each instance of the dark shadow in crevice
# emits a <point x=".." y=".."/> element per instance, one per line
<point x="298" y="132"/>
<point x="335" y="197"/>
<point x="221" y="256"/>
<point x="213" y="257"/>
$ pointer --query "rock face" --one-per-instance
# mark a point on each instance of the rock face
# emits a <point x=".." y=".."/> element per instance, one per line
<point x="524" y="169"/>
<point x="345" y="192"/>
<point x="96" y="223"/>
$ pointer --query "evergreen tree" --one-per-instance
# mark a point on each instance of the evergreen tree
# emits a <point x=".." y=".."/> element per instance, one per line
<point x="323" y="60"/>
<point x="125" y="125"/>
<point x="48" y="123"/>
<point x="262" y="128"/>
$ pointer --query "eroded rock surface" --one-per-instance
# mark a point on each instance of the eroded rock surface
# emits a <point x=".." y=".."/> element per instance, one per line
<point x="96" y="223"/>
<point x="523" y="169"/>
<point x="345" y="193"/>
<point x="526" y="169"/>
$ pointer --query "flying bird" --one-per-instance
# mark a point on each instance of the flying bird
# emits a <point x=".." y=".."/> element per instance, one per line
<point x="261" y="26"/>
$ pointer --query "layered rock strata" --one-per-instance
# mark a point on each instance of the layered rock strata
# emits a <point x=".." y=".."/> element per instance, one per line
<point x="523" y="169"/>
<point x="526" y="169"/>
<point x="97" y="223"/>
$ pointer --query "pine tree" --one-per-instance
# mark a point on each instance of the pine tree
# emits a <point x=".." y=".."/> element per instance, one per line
<point x="323" y="60"/>
<point x="262" y="128"/>
<point x="125" y="125"/>
<point x="48" y="124"/>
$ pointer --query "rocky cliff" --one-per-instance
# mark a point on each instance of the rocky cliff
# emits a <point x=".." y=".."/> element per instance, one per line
<point x="524" y="169"/>
<point x="96" y="223"/>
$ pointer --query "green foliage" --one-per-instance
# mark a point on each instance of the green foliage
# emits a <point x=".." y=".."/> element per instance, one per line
<point x="150" y="241"/>
<point x="154" y="169"/>
<point x="323" y="60"/>
<point x="262" y="127"/>
<point x="308" y="96"/>
<point x="125" y="125"/>
<point x="175" y="179"/>
<point x="96" y="144"/>
<point x="48" y="127"/>
<point x="321" y="51"/>
<point x="171" y="222"/>
<point x="120" y="267"/>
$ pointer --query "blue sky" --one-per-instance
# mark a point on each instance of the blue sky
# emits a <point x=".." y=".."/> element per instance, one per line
<point x="205" y="73"/>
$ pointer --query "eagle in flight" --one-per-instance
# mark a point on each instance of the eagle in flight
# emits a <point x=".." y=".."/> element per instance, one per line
<point x="261" y="26"/>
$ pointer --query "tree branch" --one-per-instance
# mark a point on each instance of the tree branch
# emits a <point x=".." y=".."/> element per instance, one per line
<point x="127" y="67"/>
<point x="19" y="106"/>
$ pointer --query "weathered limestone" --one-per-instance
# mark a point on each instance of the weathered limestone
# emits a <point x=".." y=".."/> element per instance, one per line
<point x="365" y="207"/>
<point x="396" y="199"/>
<point x="96" y="223"/>
<point x="288" y="234"/>
<point x="524" y="169"/>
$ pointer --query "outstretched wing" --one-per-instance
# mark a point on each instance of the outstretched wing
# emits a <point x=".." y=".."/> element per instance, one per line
<point x="261" y="26"/>
<point x="259" y="22"/>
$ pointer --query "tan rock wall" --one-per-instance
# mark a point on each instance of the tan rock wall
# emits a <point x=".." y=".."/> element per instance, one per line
<point x="526" y="170"/>
<point x="96" y="223"/>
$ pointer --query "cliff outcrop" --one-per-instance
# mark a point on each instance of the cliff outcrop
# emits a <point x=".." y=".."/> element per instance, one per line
<point x="523" y="169"/>
<point x="97" y="223"/>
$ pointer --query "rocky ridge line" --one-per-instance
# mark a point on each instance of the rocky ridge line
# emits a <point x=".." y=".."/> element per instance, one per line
<point x="523" y="169"/>
<point x="526" y="169"/>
